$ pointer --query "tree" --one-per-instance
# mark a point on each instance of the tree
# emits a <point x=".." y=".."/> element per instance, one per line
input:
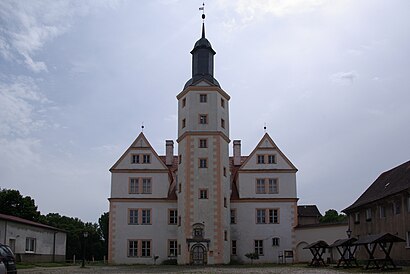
<point x="103" y="222"/>
<point x="13" y="203"/>
<point x="332" y="216"/>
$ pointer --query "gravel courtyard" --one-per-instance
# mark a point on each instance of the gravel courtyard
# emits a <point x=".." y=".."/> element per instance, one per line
<point x="188" y="269"/>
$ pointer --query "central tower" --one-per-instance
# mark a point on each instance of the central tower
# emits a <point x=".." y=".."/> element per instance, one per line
<point x="203" y="181"/>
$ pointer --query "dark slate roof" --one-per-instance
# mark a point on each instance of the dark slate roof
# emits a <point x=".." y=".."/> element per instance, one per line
<point x="388" y="183"/>
<point x="198" y="78"/>
<point x="308" y="211"/>
<point x="321" y="225"/>
<point x="343" y="242"/>
<point x="316" y="245"/>
<point x="378" y="238"/>
<point x="15" y="219"/>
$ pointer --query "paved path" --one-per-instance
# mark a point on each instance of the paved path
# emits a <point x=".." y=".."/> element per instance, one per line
<point x="186" y="269"/>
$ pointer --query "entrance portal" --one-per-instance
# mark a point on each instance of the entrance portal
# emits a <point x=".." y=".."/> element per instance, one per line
<point x="198" y="255"/>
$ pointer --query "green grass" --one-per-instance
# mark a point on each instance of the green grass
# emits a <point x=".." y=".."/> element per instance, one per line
<point x="33" y="265"/>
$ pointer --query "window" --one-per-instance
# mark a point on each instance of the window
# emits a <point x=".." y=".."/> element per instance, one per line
<point x="396" y="207"/>
<point x="133" y="216"/>
<point x="408" y="239"/>
<point x="203" y="98"/>
<point x="222" y="123"/>
<point x="140" y="186"/>
<point x="273" y="186"/>
<point x="172" y="248"/>
<point x="203" y="163"/>
<point x="135" y="159"/>
<point x="357" y="218"/>
<point x="273" y="216"/>
<point x="267" y="186"/>
<point x="233" y="247"/>
<point x="260" y="186"/>
<point x="382" y="210"/>
<point x="224" y="171"/>
<point x="183" y="102"/>
<point x="146" y="217"/>
<point x="225" y="235"/>
<point x="146" y="249"/>
<point x="146" y="158"/>
<point x="267" y="216"/>
<point x="261" y="159"/>
<point x="203" y="119"/>
<point x="275" y="241"/>
<point x="203" y="143"/>
<point x="179" y="249"/>
<point x="225" y="203"/>
<point x="408" y="204"/>
<point x="179" y="187"/>
<point x="368" y="214"/>
<point x="233" y="216"/>
<point x="203" y="194"/>
<point x="180" y="159"/>
<point x="260" y="216"/>
<point x="133" y="186"/>
<point x="146" y="186"/>
<point x="30" y="245"/>
<point x="179" y="220"/>
<point x="222" y="103"/>
<point x="183" y="123"/>
<point x="132" y="248"/>
<point x="259" y="247"/>
<point x="271" y="159"/>
<point x="172" y="216"/>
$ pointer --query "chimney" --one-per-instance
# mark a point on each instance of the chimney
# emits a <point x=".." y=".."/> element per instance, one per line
<point x="169" y="152"/>
<point x="237" y="152"/>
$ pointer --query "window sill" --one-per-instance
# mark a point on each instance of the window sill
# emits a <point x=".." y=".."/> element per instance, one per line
<point x="30" y="252"/>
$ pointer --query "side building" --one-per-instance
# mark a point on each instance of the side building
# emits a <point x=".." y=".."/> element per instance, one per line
<point x="201" y="206"/>
<point x="31" y="241"/>
<point x="385" y="208"/>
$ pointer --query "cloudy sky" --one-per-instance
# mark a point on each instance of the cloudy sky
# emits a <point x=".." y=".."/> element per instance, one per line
<point x="331" y="80"/>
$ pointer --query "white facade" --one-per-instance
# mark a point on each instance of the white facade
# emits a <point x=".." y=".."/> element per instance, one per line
<point x="202" y="206"/>
<point x="32" y="242"/>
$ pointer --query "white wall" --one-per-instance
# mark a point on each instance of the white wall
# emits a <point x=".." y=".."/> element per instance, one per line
<point x="310" y="234"/>
<point x="158" y="232"/>
<point x="245" y="231"/>
<point x="247" y="185"/>
<point x="120" y="183"/>
<point x="44" y="238"/>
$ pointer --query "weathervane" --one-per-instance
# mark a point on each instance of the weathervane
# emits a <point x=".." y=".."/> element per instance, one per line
<point x="203" y="10"/>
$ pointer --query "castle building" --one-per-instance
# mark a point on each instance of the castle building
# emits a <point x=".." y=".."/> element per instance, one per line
<point x="202" y="206"/>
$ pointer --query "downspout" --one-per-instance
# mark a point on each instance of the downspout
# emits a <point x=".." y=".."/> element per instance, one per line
<point x="5" y="232"/>
<point x="54" y="247"/>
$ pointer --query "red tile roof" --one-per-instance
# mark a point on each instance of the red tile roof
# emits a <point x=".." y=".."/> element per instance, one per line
<point x="27" y="222"/>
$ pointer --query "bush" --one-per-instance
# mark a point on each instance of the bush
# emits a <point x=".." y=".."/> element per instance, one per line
<point x="252" y="256"/>
<point x="170" y="262"/>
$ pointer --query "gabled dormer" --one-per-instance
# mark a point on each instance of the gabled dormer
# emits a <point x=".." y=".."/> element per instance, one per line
<point x="267" y="155"/>
<point x="265" y="174"/>
<point x="140" y="155"/>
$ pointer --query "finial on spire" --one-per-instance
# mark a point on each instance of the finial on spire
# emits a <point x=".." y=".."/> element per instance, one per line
<point x="264" y="127"/>
<point x="142" y="127"/>
<point x="203" y="19"/>
<point x="203" y="10"/>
